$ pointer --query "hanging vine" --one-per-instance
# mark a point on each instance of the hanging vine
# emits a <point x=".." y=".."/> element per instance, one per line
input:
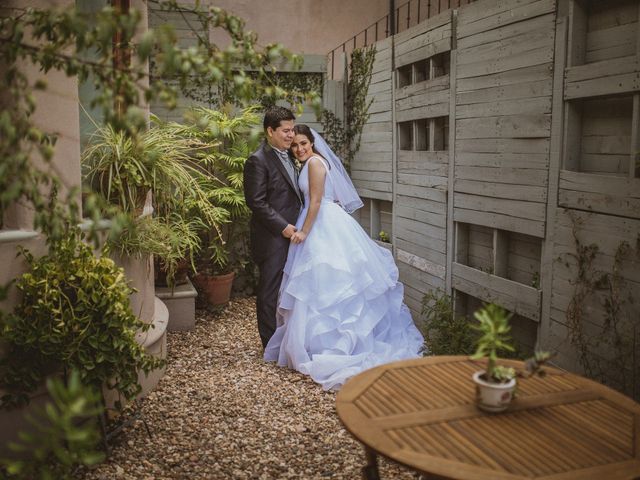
<point x="617" y="335"/>
<point x="344" y="136"/>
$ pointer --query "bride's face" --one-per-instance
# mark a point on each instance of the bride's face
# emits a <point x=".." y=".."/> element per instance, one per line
<point x="301" y="147"/>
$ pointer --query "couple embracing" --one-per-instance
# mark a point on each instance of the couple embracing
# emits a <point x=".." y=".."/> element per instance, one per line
<point x="329" y="303"/>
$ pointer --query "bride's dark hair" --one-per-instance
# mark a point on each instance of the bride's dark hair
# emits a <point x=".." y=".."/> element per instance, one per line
<point x="302" y="129"/>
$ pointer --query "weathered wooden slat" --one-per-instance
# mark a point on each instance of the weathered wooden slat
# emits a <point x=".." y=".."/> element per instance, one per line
<point x="421" y="264"/>
<point x="375" y="157"/>
<point x="422" y="112"/>
<point x="364" y="166"/>
<point x="424" y="52"/>
<point x="422" y="99"/>
<point x="428" y="24"/>
<point x="376" y="194"/>
<point x="528" y="106"/>
<point x="428" y="159"/>
<point x="431" y="85"/>
<point x="421" y="250"/>
<point x="507" y="13"/>
<point x="367" y="147"/>
<point x="421" y="204"/>
<point x="379" y="87"/>
<point x="598" y="225"/>
<point x="526" y="42"/>
<point x="617" y="41"/>
<point x="422" y="168"/>
<point x="504" y="32"/>
<point x="377" y="127"/>
<point x="404" y="225"/>
<point x="502" y="145"/>
<point x="502" y="190"/>
<point x="380" y="117"/>
<point x="517" y="91"/>
<point x="609" y="85"/>
<point x="526" y="74"/>
<point x="438" y="182"/>
<point x="376" y="137"/>
<point x="512" y="126"/>
<point x="522" y="209"/>
<point x="539" y="56"/>
<point x="381" y="77"/>
<point x="500" y="160"/>
<point x="371" y="176"/>
<point x="515" y="297"/>
<point x="383" y="187"/>
<point x="498" y="220"/>
<point x="600" y="202"/>
<point x="605" y="68"/>
<point x="600" y="184"/>
<point x="426" y="37"/>
<point x="422" y="219"/>
<point x="520" y="176"/>
<point x="423" y="280"/>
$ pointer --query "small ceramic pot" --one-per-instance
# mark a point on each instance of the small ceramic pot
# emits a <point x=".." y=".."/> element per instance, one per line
<point x="493" y="397"/>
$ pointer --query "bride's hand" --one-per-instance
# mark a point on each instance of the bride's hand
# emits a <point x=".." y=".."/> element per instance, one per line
<point x="298" y="237"/>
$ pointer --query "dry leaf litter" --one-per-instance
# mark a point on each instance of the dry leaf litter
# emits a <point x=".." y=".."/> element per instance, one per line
<point x="221" y="412"/>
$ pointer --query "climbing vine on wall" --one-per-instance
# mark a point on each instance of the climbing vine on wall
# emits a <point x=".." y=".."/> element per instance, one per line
<point x="607" y="346"/>
<point x="344" y="136"/>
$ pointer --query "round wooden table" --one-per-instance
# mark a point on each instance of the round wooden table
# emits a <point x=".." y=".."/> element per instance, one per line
<point x="421" y="413"/>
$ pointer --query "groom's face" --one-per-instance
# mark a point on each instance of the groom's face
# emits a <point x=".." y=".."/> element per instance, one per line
<point x="282" y="136"/>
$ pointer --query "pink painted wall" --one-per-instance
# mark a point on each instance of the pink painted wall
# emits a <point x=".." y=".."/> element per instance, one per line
<point x="306" y="26"/>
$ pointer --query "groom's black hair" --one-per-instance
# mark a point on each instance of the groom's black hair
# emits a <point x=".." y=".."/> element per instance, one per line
<point x="274" y="115"/>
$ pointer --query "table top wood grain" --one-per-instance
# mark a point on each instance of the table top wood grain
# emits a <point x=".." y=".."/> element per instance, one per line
<point x="422" y="414"/>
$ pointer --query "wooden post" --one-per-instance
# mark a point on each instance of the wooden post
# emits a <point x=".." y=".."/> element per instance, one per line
<point x="392" y="17"/>
<point x="555" y="160"/>
<point x="634" y="167"/>
<point x="577" y="33"/>
<point x="500" y="252"/>
<point x="374" y="218"/>
<point x="461" y="253"/>
<point x="452" y="150"/>
<point x="572" y="148"/>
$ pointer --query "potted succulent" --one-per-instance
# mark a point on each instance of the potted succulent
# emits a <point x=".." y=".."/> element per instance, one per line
<point x="496" y="385"/>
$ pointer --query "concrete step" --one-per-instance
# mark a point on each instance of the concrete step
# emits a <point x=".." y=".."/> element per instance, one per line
<point x="181" y="302"/>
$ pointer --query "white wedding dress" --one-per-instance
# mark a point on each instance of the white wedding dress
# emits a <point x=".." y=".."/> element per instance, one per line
<point x="340" y="309"/>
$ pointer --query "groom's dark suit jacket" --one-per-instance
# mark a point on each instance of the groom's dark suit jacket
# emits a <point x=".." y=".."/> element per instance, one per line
<point x="273" y="200"/>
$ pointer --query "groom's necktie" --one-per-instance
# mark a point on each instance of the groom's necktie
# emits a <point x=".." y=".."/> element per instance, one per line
<point x="288" y="165"/>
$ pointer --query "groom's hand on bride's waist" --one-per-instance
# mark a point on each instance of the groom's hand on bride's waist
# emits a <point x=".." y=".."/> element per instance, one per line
<point x="289" y="231"/>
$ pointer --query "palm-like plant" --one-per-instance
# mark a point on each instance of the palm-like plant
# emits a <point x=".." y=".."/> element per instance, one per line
<point x="221" y="142"/>
<point x="494" y="331"/>
<point x="124" y="171"/>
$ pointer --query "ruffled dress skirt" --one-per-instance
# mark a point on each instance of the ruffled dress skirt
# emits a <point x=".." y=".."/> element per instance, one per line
<point x="341" y="307"/>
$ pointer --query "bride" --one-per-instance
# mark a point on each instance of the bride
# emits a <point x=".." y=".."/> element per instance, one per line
<point x="340" y="308"/>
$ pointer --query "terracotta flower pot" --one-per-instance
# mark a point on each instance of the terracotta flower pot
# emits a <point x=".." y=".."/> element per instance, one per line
<point x="493" y="397"/>
<point x="216" y="288"/>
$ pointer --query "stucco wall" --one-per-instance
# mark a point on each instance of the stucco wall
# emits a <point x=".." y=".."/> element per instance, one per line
<point x="306" y="26"/>
<point x="57" y="112"/>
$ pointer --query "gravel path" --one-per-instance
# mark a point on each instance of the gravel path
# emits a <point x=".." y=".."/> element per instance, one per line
<point x="221" y="412"/>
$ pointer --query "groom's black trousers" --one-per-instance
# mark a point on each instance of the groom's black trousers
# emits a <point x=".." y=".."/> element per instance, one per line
<point x="271" y="270"/>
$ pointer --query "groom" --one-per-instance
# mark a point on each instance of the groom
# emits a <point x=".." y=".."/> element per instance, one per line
<point x="271" y="191"/>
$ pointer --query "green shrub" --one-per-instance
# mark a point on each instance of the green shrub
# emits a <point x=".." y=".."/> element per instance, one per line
<point x="64" y="435"/>
<point x="446" y="333"/>
<point x="74" y="314"/>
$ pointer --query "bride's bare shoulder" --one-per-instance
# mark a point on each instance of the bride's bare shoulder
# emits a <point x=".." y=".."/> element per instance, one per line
<point x="319" y="159"/>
